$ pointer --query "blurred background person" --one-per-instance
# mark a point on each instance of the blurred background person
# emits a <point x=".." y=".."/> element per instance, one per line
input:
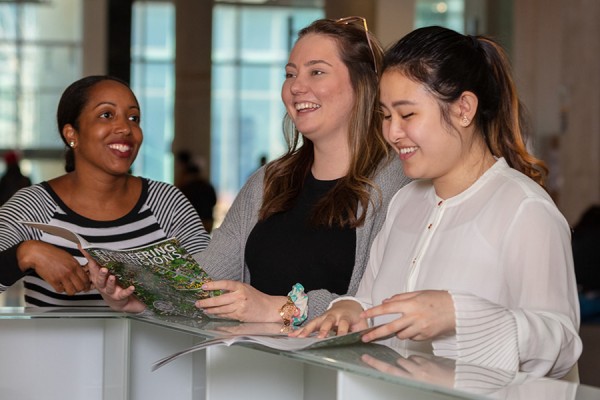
<point x="13" y="179"/>
<point x="191" y="180"/>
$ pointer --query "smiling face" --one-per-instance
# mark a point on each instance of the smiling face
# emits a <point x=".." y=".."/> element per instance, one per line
<point x="317" y="91"/>
<point x="414" y="127"/>
<point x="109" y="134"/>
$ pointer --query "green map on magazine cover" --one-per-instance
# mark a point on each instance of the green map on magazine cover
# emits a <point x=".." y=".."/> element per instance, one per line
<point x="166" y="278"/>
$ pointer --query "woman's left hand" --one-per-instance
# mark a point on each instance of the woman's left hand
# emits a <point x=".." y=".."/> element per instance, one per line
<point x="242" y="302"/>
<point x="424" y="315"/>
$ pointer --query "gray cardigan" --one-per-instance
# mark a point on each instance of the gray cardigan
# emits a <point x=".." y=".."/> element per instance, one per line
<point x="224" y="256"/>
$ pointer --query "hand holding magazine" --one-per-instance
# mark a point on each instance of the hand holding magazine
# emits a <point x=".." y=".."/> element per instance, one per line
<point x="166" y="278"/>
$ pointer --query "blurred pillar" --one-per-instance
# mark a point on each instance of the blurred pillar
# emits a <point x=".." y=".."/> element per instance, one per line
<point x="193" y="78"/>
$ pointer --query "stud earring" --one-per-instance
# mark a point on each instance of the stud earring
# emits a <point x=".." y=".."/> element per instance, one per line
<point x="71" y="144"/>
<point x="465" y="120"/>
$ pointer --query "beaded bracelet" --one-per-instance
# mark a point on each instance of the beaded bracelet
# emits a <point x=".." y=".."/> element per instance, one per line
<point x="300" y="299"/>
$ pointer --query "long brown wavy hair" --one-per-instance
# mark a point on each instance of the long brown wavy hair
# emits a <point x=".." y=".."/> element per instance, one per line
<point x="285" y="176"/>
<point x="448" y="63"/>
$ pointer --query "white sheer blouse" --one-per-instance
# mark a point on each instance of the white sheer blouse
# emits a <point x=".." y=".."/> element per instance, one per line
<point x="502" y="249"/>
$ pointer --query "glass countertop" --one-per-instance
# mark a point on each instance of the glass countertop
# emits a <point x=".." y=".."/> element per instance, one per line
<point x="418" y="370"/>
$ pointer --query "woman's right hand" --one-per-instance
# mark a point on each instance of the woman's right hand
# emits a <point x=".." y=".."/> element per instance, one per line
<point x="53" y="265"/>
<point x="115" y="296"/>
<point x="343" y="317"/>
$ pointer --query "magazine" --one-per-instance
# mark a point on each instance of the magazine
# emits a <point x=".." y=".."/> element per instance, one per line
<point x="277" y="341"/>
<point x="166" y="278"/>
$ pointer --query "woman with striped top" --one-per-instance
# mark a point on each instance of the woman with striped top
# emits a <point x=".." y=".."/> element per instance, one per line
<point x="99" y="122"/>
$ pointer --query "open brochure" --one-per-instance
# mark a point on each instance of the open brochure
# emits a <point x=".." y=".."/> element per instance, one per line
<point x="166" y="278"/>
<point x="278" y="341"/>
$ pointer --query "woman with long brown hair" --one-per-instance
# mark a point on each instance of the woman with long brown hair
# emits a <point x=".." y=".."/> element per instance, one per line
<point x="306" y="221"/>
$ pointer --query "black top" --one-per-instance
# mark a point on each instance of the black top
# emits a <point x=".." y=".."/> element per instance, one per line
<point x="284" y="249"/>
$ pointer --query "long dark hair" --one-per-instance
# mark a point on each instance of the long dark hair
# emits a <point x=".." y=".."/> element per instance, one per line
<point x="448" y="63"/>
<point x="285" y="176"/>
<point x="71" y="103"/>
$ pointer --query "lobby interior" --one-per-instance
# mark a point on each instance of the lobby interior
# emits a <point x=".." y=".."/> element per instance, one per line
<point x="554" y="47"/>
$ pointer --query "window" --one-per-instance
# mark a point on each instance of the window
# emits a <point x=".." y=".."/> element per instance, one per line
<point x="250" y="48"/>
<point x="38" y="59"/>
<point x="448" y="13"/>
<point x="153" y="82"/>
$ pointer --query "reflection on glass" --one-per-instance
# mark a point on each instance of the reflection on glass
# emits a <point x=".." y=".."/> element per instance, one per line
<point x="405" y="366"/>
<point x="456" y="375"/>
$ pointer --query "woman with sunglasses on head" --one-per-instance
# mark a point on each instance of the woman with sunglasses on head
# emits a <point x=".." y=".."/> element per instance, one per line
<point x="99" y="122"/>
<point x="474" y="258"/>
<point x="306" y="221"/>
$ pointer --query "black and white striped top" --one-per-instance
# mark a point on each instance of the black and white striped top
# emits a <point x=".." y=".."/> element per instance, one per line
<point x="161" y="212"/>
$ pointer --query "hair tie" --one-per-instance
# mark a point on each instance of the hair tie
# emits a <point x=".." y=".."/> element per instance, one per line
<point x="300" y="299"/>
